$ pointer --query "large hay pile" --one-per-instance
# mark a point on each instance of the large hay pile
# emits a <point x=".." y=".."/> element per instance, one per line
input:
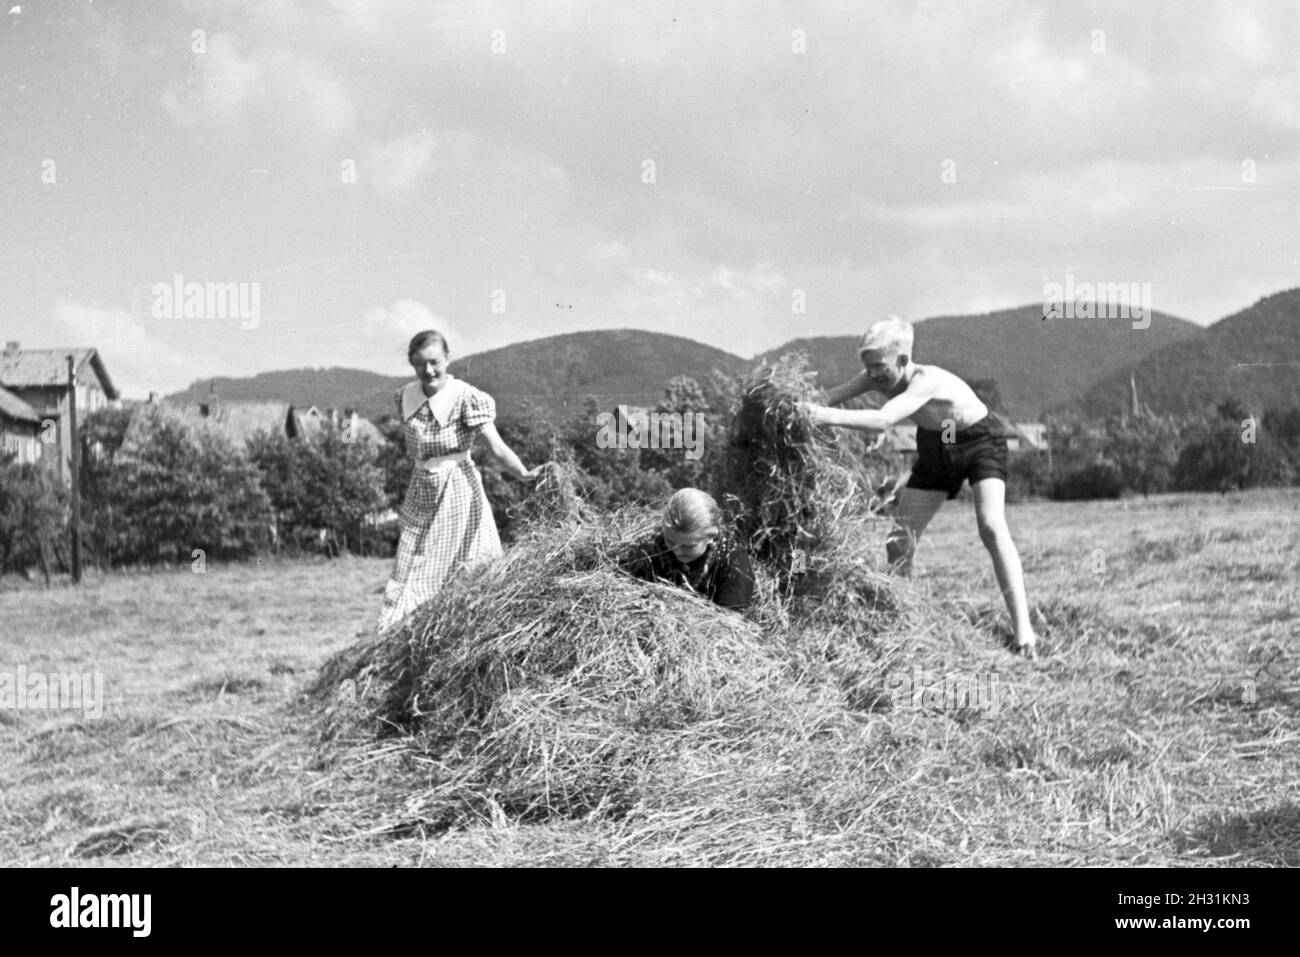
<point x="549" y="685"/>
<point x="547" y="682"/>
<point x="792" y="485"/>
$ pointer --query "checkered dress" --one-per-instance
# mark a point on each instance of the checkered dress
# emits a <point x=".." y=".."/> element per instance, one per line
<point x="446" y="520"/>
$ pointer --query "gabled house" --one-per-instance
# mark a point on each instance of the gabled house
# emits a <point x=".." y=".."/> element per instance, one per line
<point x="311" y="421"/>
<point x="38" y="378"/>
<point x="1027" y="437"/>
<point x="240" y="421"/>
<point x="20" y="428"/>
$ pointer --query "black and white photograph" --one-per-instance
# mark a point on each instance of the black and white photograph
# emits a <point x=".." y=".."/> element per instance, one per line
<point x="574" y="434"/>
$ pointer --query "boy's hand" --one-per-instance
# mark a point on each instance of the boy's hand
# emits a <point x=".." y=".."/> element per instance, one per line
<point x="814" y="412"/>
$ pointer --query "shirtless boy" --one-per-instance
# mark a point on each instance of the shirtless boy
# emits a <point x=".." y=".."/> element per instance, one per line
<point x="956" y="440"/>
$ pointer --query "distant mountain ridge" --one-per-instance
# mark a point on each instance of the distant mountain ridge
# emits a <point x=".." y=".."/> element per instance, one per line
<point x="1253" y="355"/>
<point x="556" y="374"/>
<point x="1035" y="362"/>
<point x="1039" y="365"/>
<point x="335" y="387"/>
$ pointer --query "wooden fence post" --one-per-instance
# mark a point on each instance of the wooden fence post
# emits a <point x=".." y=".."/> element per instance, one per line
<point x="74" y="464"/>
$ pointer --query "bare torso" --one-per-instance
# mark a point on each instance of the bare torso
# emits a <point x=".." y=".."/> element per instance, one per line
<point x="951" y="399"/>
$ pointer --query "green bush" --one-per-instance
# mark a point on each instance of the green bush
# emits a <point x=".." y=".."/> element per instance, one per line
<point x="535" y="439"/>
<point x="33" y="516"/>
<point x="1097" y="479"/>
<point x="161" y="486"/>
<point x="1218" y="460"/>
<point x="1027" y="476"/>
<point x="321" y="483"/>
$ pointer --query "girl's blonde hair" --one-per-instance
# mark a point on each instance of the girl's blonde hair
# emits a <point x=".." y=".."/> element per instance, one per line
<point x="690" y="510"/>
<point x="891" y="333"/>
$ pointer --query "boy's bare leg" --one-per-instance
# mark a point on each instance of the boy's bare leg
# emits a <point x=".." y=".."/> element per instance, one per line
<point x="991" y="516"/>
<point x="916" y="506"/>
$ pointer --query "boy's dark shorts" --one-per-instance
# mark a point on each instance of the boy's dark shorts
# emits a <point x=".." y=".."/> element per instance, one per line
<point x="978" y="453"/>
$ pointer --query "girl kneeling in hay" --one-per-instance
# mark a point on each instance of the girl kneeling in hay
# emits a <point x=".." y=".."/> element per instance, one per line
<point x="692" y="550"/>
<point x="446" y="520"/>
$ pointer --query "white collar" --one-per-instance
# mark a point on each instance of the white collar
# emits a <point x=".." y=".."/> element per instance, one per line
<point x="440" y="403"/>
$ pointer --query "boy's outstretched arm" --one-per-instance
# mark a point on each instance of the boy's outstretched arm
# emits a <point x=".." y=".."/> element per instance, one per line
<point x="892" y="412"/>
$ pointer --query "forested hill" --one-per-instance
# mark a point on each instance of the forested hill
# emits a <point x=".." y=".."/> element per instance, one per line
<point x="1036" y="363"/>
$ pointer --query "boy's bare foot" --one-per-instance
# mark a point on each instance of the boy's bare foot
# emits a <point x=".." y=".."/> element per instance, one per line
<point x="1027" y="648"/>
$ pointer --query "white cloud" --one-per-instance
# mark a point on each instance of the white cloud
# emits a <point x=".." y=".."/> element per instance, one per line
<point x="611" y="254"/>
<point x="651" y="278"/>
<point x="1246" y="37"/>
<point x="387" y="329"/>
<point x="228" y="88"/>
<point x="401" y="164"/>
<point x="137" y="362"/>
<point x="1041" y="78"/>
<point x="742" y="284"/>
<point x="222" y="83"/>
<point x="325" y="105"/>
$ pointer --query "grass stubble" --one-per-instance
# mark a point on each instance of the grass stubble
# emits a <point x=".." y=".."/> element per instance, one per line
<point x="545" y="710"/>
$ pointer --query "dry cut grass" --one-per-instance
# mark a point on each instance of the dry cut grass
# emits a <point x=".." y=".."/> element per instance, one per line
<point x="1160" y="726"/>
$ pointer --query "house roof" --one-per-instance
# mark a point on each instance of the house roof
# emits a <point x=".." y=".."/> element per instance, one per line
<point x="238" y="421"/>
<point x="1033" y="434"/>
<point x="12" y="407"/>
<point x="28" y="368"/>
<point x="312" y="421"/>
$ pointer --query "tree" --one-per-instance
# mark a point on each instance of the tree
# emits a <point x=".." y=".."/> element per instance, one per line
<point x="170" y="487"/>
<point x="535" y="439"/>
<point x="1234" y="451"/>
<point x="392" y="461"/>
<point x="1145" y="450"/>
<point x="33" y="515"/>
<point x="706" y="411"/>
<point x="320" y="484"/>
<point x="609" y="477"/>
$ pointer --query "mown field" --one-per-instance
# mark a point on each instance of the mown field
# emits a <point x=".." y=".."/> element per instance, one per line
<point x="1161" y="724"/>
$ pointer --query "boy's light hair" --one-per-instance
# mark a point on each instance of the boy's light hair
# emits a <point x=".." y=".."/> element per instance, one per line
<point x="891" y="333"/>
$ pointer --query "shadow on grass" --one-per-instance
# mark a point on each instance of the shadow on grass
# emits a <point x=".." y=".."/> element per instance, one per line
<point x="1270" y="836"/>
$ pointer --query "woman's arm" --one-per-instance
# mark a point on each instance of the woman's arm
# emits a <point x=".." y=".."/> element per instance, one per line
<point x="504" y="454"/>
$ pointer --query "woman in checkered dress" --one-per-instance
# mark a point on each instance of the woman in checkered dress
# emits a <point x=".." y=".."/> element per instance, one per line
<point x="446" y="520"/>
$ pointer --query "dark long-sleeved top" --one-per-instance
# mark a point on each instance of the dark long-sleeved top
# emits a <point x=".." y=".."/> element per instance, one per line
<point x="722" y="574"/>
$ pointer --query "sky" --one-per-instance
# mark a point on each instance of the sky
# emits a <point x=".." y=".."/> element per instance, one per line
<point x="739" y="173"/>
